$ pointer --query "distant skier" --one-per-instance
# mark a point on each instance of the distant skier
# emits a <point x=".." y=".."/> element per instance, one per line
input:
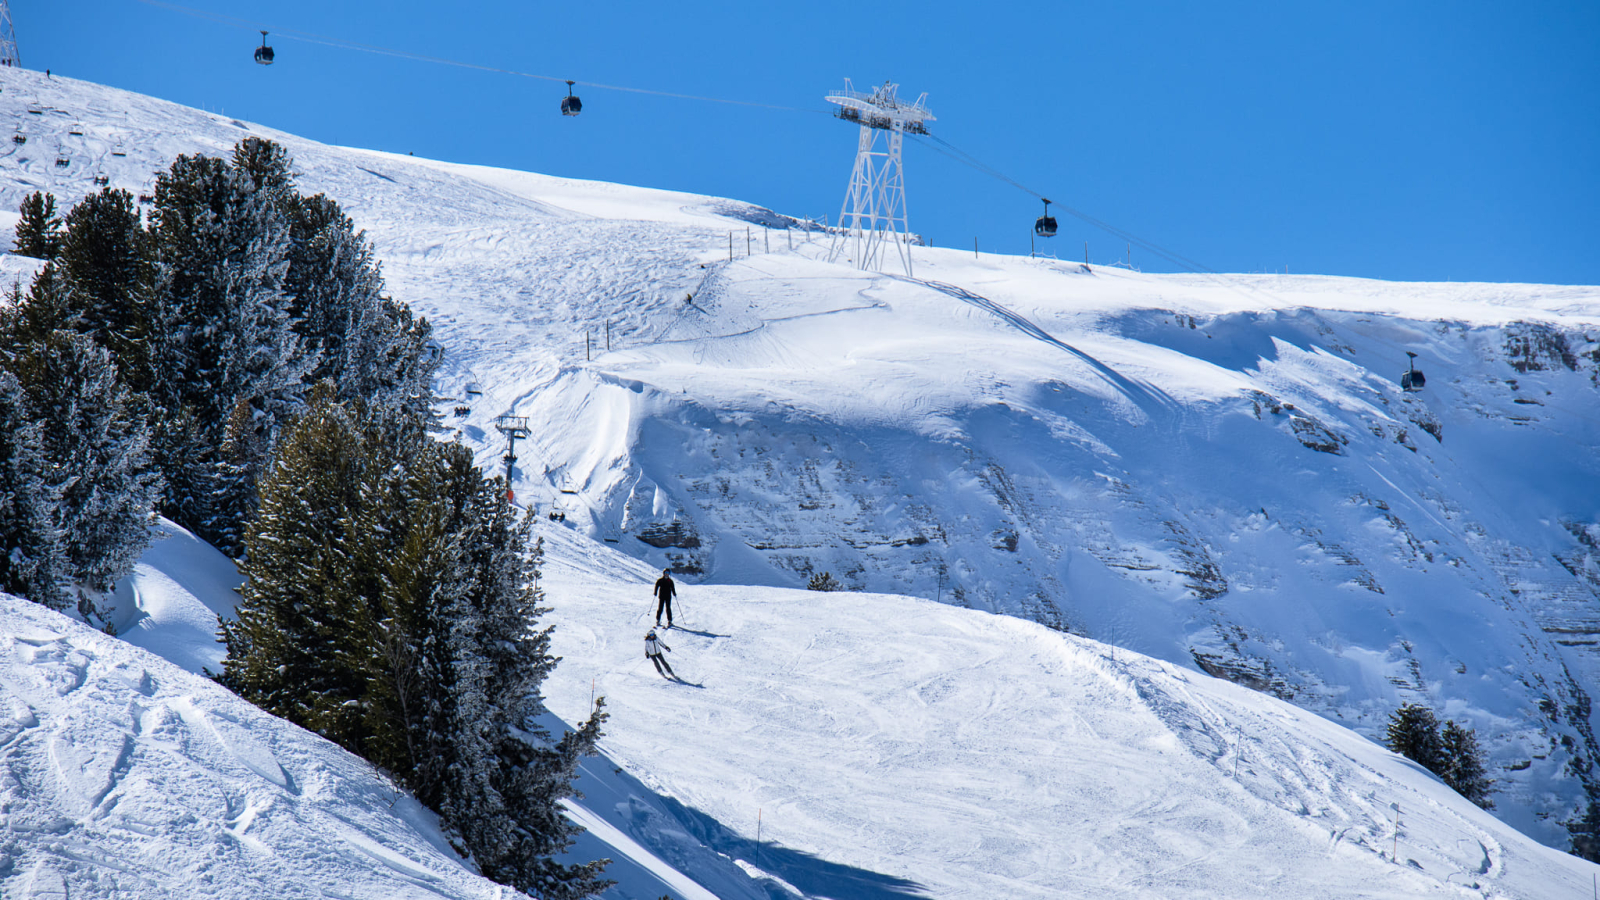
<point x="664" y="589"/>
<point x="652" y="651"/>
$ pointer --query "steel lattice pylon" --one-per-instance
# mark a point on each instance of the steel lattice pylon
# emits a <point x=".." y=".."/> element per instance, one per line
<point x="8" y="38"/>
<point x="874" y="210"/>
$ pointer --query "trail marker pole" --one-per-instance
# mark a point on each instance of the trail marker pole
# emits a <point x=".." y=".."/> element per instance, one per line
<point x="1086" y="253"/>
<point x="1394" y="854"/>
<point x="586" y="343"/>
<point x="608" y="335"/>
<point x="766" y="238"/>
<point x="789" y="236"/>
<point x="747" y="240"/>
<point x="730" y="246"/>
<point x="974" y="248"/>
<point x="758" y="835"/>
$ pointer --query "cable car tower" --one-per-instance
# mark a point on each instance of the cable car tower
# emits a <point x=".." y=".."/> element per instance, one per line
<point x="8" y="38"/>
<point x="874" y="210"/>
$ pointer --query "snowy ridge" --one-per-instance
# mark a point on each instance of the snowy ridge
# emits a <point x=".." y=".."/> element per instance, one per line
<point x="1217" y="472"/>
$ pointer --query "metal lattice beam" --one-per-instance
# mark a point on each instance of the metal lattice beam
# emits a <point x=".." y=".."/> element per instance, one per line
<point x="874" y="210"/>
<point x="8" y="38"/>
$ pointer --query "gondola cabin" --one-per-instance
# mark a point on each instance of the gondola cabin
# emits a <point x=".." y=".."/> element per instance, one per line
<point x="570" y="104"/>
<point x="1412" y="378"/>
<point x="264" y="53"/>
<point x="1045" y="225"/>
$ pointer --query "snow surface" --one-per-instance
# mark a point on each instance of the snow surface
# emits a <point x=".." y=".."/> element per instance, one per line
<point x="1132" y="457"/>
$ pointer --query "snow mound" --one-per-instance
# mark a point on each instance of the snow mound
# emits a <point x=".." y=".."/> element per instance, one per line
<point x="124" y="776"/>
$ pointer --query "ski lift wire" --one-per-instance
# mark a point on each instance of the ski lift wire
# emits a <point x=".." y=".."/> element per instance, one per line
<point x="342" y="44"/>
<point x="1176" y="259"/>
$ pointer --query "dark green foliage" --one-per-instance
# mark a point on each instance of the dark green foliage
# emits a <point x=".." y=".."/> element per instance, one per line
<point x="1463" y="764"/>
<point x="389" y="604"/>
<point x="1414" y="733"/>
<point x="216" y="333"/>
<point x="44" y="309"/>
<point x="824" y="581"/>
<point x="1450" y="752"/>
<point x="32" y="564"/>
<point x="39" y="232"/>
<point x="104" y="266"/>
<point x="96" y="439"/>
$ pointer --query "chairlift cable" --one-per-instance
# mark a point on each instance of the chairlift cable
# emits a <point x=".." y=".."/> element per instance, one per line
<point x="342" y="44"/>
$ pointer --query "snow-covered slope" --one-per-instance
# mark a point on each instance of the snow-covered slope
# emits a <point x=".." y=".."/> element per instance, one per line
<point x="1217" y="472"/>
<point x="810" y="751"/>
<point x="121" y="775"/>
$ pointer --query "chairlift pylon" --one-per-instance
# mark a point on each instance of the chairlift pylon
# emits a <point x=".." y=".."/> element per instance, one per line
<point x="264" y="53"/>
<point x="570" y="104"/>
<point x="1412" y="378"/>
<point x="1045" y="225"/>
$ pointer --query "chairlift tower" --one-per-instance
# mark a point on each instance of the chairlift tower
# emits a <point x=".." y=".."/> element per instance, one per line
<point x="8" y="38"/>
<point x="874" y="211"/>
<point x="513" y="427"/>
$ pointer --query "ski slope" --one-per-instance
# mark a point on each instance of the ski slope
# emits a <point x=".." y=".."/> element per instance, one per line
<point x="951" y="753"/>
<point x="1217" y="472"/>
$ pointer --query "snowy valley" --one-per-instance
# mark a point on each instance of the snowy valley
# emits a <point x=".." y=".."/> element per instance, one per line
<point x="1060" y="497"/>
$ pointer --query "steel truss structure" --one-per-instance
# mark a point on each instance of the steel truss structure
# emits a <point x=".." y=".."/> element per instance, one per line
<point x="874" y="210"/>
<point x="8" y="38"/>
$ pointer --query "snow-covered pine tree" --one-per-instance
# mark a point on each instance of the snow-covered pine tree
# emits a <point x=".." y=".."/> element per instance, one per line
<point x="43" y="309"/>
<point x="1463" y="764"/>
<point x="824" y="581"/>
<point x="390" y="604"/>
<point x="31" y="563"/>
<point x="39" y="231"/>
<point x="216" y="328"/>
<point x="532" y="772"/>
<point x="103" y="265"/>
<point x="96" y="438"/>
<point x="288" y="646"/>
<point x="1413" y="732"/>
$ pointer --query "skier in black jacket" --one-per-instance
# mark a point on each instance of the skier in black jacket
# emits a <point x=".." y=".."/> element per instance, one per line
<point x="664" y="589"/>
<point x="652" y="651"/>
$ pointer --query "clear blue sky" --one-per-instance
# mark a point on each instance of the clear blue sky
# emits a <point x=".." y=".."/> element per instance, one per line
<point x="1402" y="140"/>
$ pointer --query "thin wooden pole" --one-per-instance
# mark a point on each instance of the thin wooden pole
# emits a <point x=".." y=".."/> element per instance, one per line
<point x="974" y="248"/>
<point x="586" y="345"/>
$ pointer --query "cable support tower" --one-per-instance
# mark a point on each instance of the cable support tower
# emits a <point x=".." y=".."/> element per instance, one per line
<point x="8" y="38"/>
<point x="874" y="210"/>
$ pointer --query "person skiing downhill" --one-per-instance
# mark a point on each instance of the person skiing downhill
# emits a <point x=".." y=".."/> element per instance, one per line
<point x="652" y="651"/>
<point x="664" y="589"/>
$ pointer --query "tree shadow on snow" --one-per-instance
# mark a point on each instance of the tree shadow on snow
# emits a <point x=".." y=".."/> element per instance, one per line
<point x="727" y="864"/>
<point x="808" y="873"/>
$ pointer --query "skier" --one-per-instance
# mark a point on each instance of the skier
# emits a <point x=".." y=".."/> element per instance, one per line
<point x="652" y="651"/>
<point x="664" y="589"/>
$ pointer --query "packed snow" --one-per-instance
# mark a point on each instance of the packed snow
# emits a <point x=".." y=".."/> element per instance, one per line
<point x="1219" y="472"/>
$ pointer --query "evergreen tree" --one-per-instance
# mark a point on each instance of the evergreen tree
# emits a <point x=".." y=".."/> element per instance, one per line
<point x="104" y="265"/>
<point x="216" y="330"/>
<point x="39" y="231"/>
<point x="1414" y="733"/>
<point x="824" y="581"/>
<point x="44" y="309"/>
<point x="31" y="563"/>
<point x="285" y="650"/>
<point x="1463" y="764"/>
<point x="97" y="438"/>
<point x="389" y="605"/>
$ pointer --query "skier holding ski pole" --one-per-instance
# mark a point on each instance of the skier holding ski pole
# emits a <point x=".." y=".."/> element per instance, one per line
<point x="665" y="589"/>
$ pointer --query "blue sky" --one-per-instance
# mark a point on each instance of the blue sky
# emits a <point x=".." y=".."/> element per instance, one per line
<point x="1402" y="140"/>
